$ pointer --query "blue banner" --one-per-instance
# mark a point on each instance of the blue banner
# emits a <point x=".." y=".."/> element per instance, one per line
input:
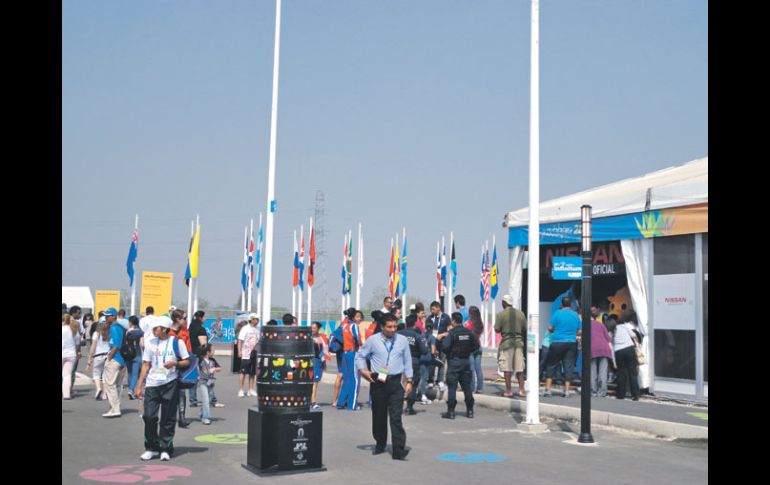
<point x="567" y="268"/>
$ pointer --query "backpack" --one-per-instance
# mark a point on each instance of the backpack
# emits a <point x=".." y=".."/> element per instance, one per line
<point x="128" y="348"/>
<point x="188" y="377"/>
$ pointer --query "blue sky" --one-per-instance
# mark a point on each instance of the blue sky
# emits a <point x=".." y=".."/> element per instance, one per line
<point x="403" y="113"/>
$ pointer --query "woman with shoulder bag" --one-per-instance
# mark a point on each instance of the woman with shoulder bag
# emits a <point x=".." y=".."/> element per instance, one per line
<point x="625" y="358"/>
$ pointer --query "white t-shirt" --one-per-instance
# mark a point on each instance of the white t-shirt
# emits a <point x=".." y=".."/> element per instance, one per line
<point x="102" y="346"/>
<point x="145" y="325"/>
<point x="69" y="342"/>
<point x="622" y="338"/>
<point x="249" y="336"/>
<point x="157" y="352"/>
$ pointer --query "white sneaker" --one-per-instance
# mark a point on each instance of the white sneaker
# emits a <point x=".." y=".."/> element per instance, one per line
<point x="149" y="455"/>
<point x="110" y="414"/>
<point x="251" y="393"/>
<point x="425" y="399"/>
<point x="442" y="386"/>
<point x="164" y="456"/>
<point x="241" y="393"/>
<point x="205" y="421"/>
<point x="315" y="407"/>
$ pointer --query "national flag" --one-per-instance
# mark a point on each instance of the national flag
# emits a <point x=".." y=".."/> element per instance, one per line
<point x="295" y="281"/>
<point x="133" y="251"/>
<point x="195" y="252"/>
<point x="403" y="269"/>
<point x="302" y="263"/>
<point x="311" y="259"/>
<point x="486" y="274"/>
<point x="349" y="266"/>
<point x="443" y="264"/>
<point x="453" y="266"/>
<point x="397" y="272"/>
<point x="244" y="266"/>
<point x="187" y="274"/>
<point x="493" y="273"/>
<point x="344" y="258"/>
<point x="481" y="280"/>
<point x="391" y="274"/>
<point x="438" y="271"/>
<point x="251" y="260"/>
<point x="259" y="253"/>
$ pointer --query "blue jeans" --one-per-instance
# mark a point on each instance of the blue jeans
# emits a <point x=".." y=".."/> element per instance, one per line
<point x="193" y="395"/>
<point x="204" y="389"/>
<point x="478" y="373"/>
<point x="132" y="368"/>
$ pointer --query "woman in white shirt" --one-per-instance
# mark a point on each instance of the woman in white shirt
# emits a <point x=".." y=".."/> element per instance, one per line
<point x="70" y="352"/>
<point x="100" y="347"/>
<point x="625" y="358"/>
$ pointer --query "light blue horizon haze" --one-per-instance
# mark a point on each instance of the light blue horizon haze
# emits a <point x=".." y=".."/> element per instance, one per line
<point x="403" y="113"/>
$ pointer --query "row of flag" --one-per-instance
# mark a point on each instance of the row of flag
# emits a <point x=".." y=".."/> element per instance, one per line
<point x="397" y="269"/>
<point x="488" y="285"/>
<point x="252" y="256"/>
<point x="298" y="279"/>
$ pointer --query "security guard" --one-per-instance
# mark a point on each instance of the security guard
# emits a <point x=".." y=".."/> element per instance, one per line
<point x="458" y="345"/>
<point x="417" y="348"/>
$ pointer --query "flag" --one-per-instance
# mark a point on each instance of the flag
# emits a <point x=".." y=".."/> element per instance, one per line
<point x="453" y="265"/>
<point x="438" y="271"/>
<point x="481" y="280"/>
<point x="195" y="252"/>
<point x="302" y="263"/>
<point x="391" y="275"/>
<point x="244" y="266"/>
<point x="259" y="253"/>
<point x="493" y="273"/>
<point x="133" y="250"/>
<point x="295" y="281"/>
<point x="187" y="274"/>
<point x="403" y="269"/>
<point x="311" y="259"/>
<point x="349" y="266"/>
<point x="251" y="260"/>
<point x="486" y="274"/>
<point x="397" y="272"/>
<point x="443" y="264"/>
<point x="344" y="257"/>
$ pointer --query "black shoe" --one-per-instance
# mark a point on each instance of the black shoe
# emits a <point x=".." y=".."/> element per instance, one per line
<point x="448" y="415"/>
<point x="378" y="451"/>
<point x="400" y="456"/>
<point x="469" y="413"/>
<point x="410" y="411"/>
<point x="183" y="423"/>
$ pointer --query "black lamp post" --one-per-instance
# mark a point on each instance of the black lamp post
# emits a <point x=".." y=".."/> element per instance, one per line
<point x="585" y="299"/>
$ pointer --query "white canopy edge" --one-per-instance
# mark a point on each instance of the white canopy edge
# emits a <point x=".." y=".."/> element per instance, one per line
<point x="77" y="295"/>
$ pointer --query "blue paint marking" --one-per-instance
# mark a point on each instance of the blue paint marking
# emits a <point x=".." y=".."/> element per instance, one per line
<point x="471" y="457"/>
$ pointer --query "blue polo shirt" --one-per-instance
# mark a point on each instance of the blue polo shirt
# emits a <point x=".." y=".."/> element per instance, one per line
<point x="116" y="339"/>
<point x="565" y="326"/>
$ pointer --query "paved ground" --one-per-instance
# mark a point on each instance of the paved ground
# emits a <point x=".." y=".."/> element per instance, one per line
<point x="90" y="442"/>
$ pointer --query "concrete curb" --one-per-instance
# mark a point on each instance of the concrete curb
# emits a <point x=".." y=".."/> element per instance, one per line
<point x="656" y="427"/>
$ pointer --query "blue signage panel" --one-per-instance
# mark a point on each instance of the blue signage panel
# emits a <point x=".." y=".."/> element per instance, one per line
<point x="567" y="268"/>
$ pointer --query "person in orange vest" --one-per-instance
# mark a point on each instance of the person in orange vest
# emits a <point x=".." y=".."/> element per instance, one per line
<point x="348" y="334"/>
<point x="321" y="356"/>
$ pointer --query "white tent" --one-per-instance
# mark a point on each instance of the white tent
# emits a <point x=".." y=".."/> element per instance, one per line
<point x="677" y="186"/>
<point x="77" y="295"/>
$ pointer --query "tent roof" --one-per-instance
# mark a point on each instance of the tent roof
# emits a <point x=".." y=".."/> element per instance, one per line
<point x="677" y="186"/>
<point x="77" y="295"/>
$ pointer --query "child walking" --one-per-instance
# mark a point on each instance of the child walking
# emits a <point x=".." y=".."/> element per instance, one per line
<point x="208" y="366"/>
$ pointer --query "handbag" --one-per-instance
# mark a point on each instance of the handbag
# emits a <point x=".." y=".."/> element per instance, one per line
<point x="188" y="377"/>
<point x="640" y="357"/>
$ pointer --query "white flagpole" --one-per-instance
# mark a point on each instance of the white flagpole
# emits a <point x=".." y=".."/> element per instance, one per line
<point x="271" y="203"/>
<point x="294" y="288"/>
<point x="447" y="304"/>
<point x="438" y="260"/>
<point x="359" y="268"/>
<point x="344" y="255"/>
<point x="309" y="288"/>
<point x="245" y="261"/>
<point x="492" y="331"/>
<point x="192" y="281"/>
<point x="249" y="279"/>
<point x="259" y="269"/>
<point x="301" y="262"/>
<point x="133" y="284"/>
<point x="195" y="298"/>
<point x="533" y="280"/>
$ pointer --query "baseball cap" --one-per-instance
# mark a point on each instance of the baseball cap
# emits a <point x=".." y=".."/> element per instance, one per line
<point x="171" y="309"/>
<point x="161" y="321"/>
<point x="508" y="299"/>
<point x="253" y="316"/>
<point x="110" y="312"/>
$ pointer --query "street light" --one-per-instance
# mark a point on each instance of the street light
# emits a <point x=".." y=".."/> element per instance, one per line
<point x="585" y="303"/>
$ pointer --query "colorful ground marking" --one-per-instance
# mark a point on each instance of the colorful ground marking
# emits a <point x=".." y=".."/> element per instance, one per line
<point x="135" y="473"/>
<point x="471" y="457"/>
<point x="224" y="438"/>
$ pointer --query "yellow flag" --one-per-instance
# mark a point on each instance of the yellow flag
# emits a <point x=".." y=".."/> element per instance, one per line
<point x="195" y="252"/>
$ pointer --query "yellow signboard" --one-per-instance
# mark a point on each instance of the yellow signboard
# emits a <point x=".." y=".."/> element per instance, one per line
<point x="156" y="291"/>
<point x="106" y="299"/>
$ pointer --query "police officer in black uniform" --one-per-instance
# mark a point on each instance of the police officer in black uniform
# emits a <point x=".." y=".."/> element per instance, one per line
<point x="417" y="347"/>
<point x="458" y="345"/>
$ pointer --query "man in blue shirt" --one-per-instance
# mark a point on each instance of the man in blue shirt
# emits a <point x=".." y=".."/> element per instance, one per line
<point x="391" y="362"/>
<point x="440" y="322"/>
<point x="460" y="303"/>
<point x="565" y="326"/>
<point x="114" y="365"/>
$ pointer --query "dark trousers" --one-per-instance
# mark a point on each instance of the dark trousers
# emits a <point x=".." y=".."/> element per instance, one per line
<point x="165" y="399"/>
<point x="628" y="370"/>
<point x="459" y="369"/>
<point x="387" y="401"/>
<point x="412" y="397"/>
